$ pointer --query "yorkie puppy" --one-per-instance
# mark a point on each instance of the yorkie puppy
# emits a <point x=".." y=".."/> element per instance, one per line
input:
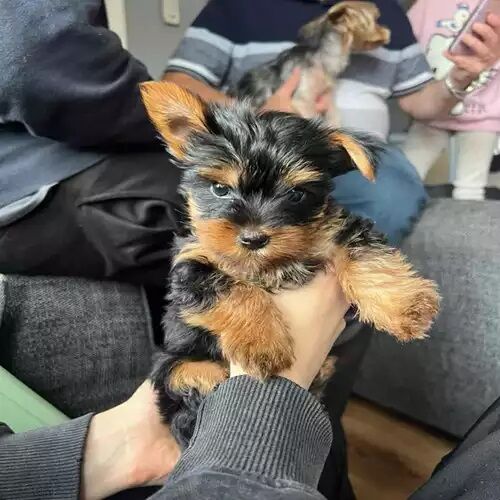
<point x="322" y="52"/>
<point x="261" y="218"/>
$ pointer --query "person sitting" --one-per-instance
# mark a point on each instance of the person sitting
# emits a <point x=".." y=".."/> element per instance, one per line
<point x="474" y="123"/>
<point x="230" y="37"/>
<point x="253" y="440"/>
<point x="86" y="188"/>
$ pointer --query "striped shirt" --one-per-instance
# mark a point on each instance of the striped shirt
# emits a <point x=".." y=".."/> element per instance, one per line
<point x="230" y="37"/>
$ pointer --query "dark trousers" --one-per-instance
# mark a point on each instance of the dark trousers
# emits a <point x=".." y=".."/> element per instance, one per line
<point x="116" y="220"/>
<point x="349" y="350"/>
<point x="472" y="470"/>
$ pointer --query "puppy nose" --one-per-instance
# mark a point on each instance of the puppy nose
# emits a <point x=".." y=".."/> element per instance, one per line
<point x="253" y="240"/>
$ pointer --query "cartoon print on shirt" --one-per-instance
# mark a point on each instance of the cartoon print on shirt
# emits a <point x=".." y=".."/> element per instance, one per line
<point x="458" y="21"/>
<point x="439" y="43"/>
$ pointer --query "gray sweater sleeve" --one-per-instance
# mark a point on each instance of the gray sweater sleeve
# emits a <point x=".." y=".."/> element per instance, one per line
<point x="44" y="463"/>
<point x="66" y="78"/>
<point x="254" y="440"/>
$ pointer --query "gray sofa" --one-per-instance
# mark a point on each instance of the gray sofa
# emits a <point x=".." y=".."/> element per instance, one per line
<point x="81" y="345"/>
<point x="447" y="380"/>
<point x="101" y="331"/>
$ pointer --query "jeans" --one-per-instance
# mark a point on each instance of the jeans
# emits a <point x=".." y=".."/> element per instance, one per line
<point x="393" y="202"/>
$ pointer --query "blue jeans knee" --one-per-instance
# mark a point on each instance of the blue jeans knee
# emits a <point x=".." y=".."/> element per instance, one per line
<point x="393" y="202"/>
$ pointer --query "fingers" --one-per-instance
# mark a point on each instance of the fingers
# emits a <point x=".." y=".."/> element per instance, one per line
<point x="486" y="33"/>
<point x="494" y="21"/>
<point x="468" y="63"/>
<point x="322" y="297"/>
<point x="484" y="44"/>
<point x="314" y="315"/>
<point x="340" y="328"/>
<point x="290" y="86"/>
<point x="329" y="291"/>
<point x="323" y="103"/>
<point x="281" y="100"/>
<point x="476" y="45"/>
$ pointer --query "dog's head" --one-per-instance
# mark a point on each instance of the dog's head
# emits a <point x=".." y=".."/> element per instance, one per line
<point x="354" y="21"/>
<point x="257" y="185"/>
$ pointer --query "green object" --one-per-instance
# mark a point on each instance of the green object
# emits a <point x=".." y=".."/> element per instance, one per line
<point x="22" y="409"/>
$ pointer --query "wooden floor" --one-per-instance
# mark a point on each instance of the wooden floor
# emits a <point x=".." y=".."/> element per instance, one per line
<point x="389" y="457"/>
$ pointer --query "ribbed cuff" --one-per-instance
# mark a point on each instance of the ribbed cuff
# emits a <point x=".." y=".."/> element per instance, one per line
<point x="273" y="428"/>
<point x="43" y="463"/>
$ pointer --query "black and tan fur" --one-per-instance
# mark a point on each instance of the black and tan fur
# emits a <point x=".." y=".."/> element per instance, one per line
<point x="261" y="218"/>
<point x="322" y="52"/>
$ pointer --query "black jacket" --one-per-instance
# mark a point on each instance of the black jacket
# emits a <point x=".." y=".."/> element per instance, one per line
<point x="68" y="90"/>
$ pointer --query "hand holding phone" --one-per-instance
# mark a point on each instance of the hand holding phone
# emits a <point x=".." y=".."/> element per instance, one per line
<point x="479" y="15"/>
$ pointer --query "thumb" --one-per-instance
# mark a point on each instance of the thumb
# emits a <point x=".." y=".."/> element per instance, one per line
<point x="288" y="88"/>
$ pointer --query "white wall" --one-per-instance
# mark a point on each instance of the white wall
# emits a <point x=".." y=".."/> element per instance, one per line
<point x="143" y="31"/>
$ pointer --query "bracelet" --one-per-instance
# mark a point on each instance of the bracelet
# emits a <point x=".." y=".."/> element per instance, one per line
<point x="457" y="93"/>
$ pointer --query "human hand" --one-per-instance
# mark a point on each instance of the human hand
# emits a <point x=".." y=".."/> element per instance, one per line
<point x="315" y="318"/>
<point x="485" y="47"/>
<point x="127" y="446"/>
<point x="282" y="99"/>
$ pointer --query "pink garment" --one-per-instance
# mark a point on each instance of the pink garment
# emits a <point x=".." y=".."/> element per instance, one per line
<point x="435" y="23"/>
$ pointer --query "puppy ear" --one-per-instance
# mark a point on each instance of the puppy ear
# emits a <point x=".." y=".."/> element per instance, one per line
<point x="175" y="113"/>
<point x="361" y="151"/>
<point x="357" y="23"/>
<point x="337" y="11"/>
<point x="352" y="8"/>
<point x="341" y="16"/>
<point x="311" y="33"/>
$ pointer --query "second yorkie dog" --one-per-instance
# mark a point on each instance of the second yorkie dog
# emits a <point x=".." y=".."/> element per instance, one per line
<point x="261" y="218"/>
<point x="322" y="52"/>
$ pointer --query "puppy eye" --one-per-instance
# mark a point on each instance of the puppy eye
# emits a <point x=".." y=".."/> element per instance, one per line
<point x="296" y="195"/>
<point x="220" y="190"/>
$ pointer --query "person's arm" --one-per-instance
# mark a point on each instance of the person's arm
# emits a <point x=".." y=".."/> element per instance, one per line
<point x="196" y="86"/>
<point x="68" y="80"/>
<point x="435" y="101"/>
<point x="43" y="463"/>
<point x="254" y="440"/>
<point x="204" y="55"/>
<point x="267" y="440"/>
<point x="91" y="457"/>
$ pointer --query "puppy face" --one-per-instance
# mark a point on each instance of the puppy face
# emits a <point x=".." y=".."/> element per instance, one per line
<point x="257" y="185"/>
<point x="356" y="21"/>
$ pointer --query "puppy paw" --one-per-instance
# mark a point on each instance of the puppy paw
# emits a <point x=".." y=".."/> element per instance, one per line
<point x="387" y="291"/>
<point x="417" y="315"/>
<point x="262" y="359"/>
<point x="201" y="375"/>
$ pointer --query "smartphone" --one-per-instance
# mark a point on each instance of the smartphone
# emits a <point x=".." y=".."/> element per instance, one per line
<point x="478" y="16"/>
